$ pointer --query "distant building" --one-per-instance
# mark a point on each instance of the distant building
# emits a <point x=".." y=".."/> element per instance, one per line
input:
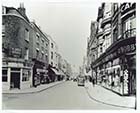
<point x="92" y="49"/>
<point x="53" y="52"/>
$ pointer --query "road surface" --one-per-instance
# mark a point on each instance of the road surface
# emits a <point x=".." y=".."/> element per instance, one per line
<point x="66" y="96"/>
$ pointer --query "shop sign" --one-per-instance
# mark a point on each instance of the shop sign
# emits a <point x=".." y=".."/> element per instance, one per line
<point x="125" y="81"/>
<point x="126" y="49"/>
<point x="125" y="7"/>
<point x="16" y="52"/>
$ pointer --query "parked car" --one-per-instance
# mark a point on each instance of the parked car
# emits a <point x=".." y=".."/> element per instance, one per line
<point x="81" y="81"/>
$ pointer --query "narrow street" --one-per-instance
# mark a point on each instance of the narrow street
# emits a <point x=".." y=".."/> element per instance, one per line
<point x="63" y="96"/>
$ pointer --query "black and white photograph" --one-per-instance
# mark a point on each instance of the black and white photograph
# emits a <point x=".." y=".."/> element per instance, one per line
<point x="68" y="55"/>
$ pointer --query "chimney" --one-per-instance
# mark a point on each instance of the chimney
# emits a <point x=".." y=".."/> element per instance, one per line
<point x="21" y="9"/>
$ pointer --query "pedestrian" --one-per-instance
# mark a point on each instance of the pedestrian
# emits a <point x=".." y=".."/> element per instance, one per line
<point x="93" y="81"/>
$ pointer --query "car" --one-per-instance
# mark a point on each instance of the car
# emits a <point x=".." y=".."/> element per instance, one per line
<point x="81" y="81"/>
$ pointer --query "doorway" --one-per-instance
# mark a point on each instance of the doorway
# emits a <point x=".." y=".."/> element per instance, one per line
<point x="15" y="80"/>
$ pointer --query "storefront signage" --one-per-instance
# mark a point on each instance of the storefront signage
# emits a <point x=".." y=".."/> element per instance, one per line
<point x="125" y="6"/>
<point x="126" y="49"/>
<point x="119" y="51"/>
<point x="16" y="52"/>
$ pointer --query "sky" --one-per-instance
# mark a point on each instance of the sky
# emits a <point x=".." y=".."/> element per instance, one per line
<point x="66" y="21"/>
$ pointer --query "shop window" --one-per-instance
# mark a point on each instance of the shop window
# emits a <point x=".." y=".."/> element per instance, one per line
<point x="25" y="75"/>
<point x="15" y="69"/>
<point x="4" y="75"/>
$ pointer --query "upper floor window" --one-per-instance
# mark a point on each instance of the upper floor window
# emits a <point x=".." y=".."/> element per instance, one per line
<point x="26" y="34"/>
<point x="37" y="45"/>
<point x="3" y="10"/>
<point x="42" y="42"/>
<point x="42" y="56"/>
<point x="37" y="54"/>
<point x="129" y="27"/>
<point x="51" y="55"/>
<point x="26" y="53"/>
<point x="3" y="30"/>
<point x="37" y="37"/>
<point x="51" y="45"/>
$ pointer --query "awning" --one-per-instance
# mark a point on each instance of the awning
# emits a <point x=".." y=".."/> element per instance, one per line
<point x="61" y="72"/>
<point x="56" y="72"/>
<point x="89" y="73"/>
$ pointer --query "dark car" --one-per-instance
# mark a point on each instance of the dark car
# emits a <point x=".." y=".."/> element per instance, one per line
<point x="81" y="81"/>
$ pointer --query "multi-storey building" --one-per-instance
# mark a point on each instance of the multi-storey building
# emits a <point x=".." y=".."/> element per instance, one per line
<point x="53" y="52"/>
<point x="40" y="53"/>
<point x="16" y="36"/>
<point x="115" y="66"/>
<point x="92" y="46"/>
<point x="25" y="50"/>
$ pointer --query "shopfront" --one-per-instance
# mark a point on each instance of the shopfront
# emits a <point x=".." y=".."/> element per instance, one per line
<point x="15" y="75"/>
<point x="116" y="69"/>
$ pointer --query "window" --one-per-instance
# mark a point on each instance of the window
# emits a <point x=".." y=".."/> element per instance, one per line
<point x="26" y="53"/>
<point x="25" y="75"/>
<point x="52" y="63"/>
<point x="42" y="42"/>
<point x="101" y="49"/>
<point x="42" y="48"/>
<point x="46" y="57"/>
<point x="3" y="30"/>
<point x="4" y="74"/>
<point x="26" y="34"/>
<point x="51" y="55"/>
<point x="51" y="45"/>
<point x="37" y="37"/>
<point x="46" y="45"/>
<point x="37" y="54"/>
<point x="37" y="44"/>
<point x="42" y="56"/>
<point x="3" y="10"/>
<point x="129" y="27"/>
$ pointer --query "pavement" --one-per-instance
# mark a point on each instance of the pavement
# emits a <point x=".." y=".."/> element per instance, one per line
<point x="39" y="88"/>
<point x="105" y="96"/>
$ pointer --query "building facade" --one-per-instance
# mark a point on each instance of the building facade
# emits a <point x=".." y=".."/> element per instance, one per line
<point x="53" y="52"/>
<point x="115" y="66"/>
<point x="92" y="49"/>
<point x="16" y="58"/>
<point x="40" y="54"/>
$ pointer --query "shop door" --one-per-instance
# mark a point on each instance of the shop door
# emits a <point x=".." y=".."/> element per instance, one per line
<point x="15" y="80"/>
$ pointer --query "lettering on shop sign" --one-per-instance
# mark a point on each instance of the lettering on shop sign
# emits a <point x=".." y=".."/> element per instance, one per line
<point x="121" y="50"/>
<point x="127" y="48"/>
<point x="16" y="52"/>
<point x="126" y="6"/>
